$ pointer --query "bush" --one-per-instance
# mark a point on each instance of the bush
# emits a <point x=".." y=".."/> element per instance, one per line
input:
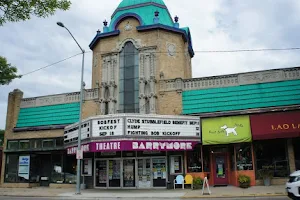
<point x="197" y="183"/>
<point x="244" y="181"/>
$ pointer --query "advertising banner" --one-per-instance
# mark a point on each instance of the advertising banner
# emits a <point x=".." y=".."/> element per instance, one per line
<point x="275" y="125"/>
<point x="226" y="130"/>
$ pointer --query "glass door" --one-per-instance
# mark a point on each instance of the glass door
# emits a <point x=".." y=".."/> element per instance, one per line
<point x="114" y="169"/>
<point x="159" y="172"/>
<point x="129" y="173"/>
<point x="101" y="173"/>
<point x="144" y="173"/>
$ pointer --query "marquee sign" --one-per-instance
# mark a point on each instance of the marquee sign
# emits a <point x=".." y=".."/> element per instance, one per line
<point x="107" y="127"/>
<point x="158" y="126"/>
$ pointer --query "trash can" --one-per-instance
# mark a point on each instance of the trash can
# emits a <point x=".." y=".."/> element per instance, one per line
<point x="169" y="185"/>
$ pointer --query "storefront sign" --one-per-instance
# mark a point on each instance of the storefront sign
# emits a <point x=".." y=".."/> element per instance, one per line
<point x="73" y="150"/>
<point x="24" y="167"/>
<point x="275" y="125"/>
<point x="104" y="127"/>
<point x="162" y="126"/>
<point x="113" y="146"/>
<point x="225" y="130"/>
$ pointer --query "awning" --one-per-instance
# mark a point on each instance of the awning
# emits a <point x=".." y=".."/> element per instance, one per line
<point x="275" y="125"/>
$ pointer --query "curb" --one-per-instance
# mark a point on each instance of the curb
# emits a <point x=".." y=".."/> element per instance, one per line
<point x="233" y="196"/>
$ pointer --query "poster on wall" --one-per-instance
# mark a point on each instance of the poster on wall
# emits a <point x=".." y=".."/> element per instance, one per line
<point x="87" y="167"/>
<point x="24" y="167"/>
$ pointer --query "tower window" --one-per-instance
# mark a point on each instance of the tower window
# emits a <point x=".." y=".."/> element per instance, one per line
<point x="129" y="79"/>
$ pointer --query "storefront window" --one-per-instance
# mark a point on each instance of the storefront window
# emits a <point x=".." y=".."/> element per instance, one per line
<point x="206" y="158"/>
<point x="35" y="166"/>
<point x="24" y="144"/>
<point x="11" y="171"/>
<point x="194" y="163"/>
<point x="272" y="155"/>
<point x="243" y="156"/>
<point x="70" y="169"/>
<point x="296" y="143"/>
<point x="176" y="165"/>
<point x="12" y="145"/>
<point x="59" y="142"/>
<point x="57" y="168"/>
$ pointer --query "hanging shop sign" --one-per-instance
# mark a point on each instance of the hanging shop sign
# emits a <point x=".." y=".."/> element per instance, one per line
<point x="225" y="130"/>
<point x="24" y="167"/>
<point x="112" y="146"/>
<point x="163" y="126"/>
<point x="275" y="125"/>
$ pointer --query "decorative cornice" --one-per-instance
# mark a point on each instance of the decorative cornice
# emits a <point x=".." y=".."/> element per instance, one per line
<point x="257" y="77"/>
<point x="89" y="94"/>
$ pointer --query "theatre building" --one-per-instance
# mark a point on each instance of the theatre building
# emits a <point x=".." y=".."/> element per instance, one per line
<point x="146" y="120"/>
<point x="133" y="150"/>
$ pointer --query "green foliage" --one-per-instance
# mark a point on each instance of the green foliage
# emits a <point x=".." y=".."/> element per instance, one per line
<point x="1" y="137"/>
<point x="7" y="72"/>
<point x="21" y="10"/>
<point x="265" y="173"/>
<point x="197" y="183"/>
<point x="244" y="181"/>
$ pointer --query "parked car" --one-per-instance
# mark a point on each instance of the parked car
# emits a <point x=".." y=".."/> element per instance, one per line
<point x="293" y="185"/>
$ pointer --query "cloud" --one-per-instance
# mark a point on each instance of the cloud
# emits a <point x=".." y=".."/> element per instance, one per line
<point x="215" y="25"/>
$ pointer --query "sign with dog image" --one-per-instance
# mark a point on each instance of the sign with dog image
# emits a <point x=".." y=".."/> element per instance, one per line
<point x="226" y="130"/>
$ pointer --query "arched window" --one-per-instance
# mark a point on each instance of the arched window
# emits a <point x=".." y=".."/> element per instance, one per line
<point x="129" y="79"/>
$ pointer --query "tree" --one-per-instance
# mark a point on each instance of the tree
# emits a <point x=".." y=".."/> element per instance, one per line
<point x="7" y="72"/>
<point x="21" y="10"/>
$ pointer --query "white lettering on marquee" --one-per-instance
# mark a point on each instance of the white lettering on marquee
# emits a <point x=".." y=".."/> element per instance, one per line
<point x="162" y="145"/>
<point x="73" y="150"/>
<point x="108" y="146"/>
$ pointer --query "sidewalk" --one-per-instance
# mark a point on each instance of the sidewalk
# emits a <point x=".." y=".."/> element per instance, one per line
<point x="230" y="191"/>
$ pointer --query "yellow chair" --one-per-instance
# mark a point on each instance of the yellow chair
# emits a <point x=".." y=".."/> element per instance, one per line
<point x="188" y="180"/>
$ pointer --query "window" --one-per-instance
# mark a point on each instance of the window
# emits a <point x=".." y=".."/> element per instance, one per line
<point x="57" y="175"/>
<point x="176" y="165"/>
<point x="24" y="144"/>
<point x="243" y="156"/>
<point x="11" y="171"/>
<point x="272" y="155"/>
<point x="129" y="79"/>
<point x="35" y="144"/>
<point x="12" y="145"/>
<point x="48" y="143"/>
<point x="59" y="142"/>
<point x="194" y="163"/>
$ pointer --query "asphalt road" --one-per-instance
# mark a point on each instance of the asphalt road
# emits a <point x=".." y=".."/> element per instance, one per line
<point x="34" y="198"/>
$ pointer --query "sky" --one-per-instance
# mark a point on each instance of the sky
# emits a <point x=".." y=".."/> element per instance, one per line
<point x="214" y="25"/>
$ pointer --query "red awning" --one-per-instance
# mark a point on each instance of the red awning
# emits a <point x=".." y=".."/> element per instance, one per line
<point x="275" y="125"/>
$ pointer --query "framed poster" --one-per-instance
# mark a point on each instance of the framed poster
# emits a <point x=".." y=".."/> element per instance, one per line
<point x="176" y="164"/>
<point x="86" y="169"/>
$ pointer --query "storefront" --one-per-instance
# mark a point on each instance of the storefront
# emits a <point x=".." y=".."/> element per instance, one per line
<point x="275" y="138"/>
<point x="130" y="151"/>
<point x="227" y="141"/>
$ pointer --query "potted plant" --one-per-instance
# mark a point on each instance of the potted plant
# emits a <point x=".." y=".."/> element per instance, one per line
<point x="266" y="175"/>
<point x="197" y="183"/>
<point x="244" y="181"/>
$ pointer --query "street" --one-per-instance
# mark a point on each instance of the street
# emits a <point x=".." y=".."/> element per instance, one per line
<point x="40" y="198"/>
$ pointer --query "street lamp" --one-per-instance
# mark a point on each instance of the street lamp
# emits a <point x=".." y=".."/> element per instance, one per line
<point x="80" y="109"/>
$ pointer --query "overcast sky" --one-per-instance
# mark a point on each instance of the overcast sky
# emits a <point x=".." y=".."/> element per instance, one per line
<point x="214" y="24"/>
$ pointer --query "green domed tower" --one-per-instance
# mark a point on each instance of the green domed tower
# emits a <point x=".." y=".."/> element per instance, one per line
<point x="137" y="48"/>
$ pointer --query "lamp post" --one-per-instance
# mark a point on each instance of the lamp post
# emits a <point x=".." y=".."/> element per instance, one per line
<point x="80" y="109"/>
